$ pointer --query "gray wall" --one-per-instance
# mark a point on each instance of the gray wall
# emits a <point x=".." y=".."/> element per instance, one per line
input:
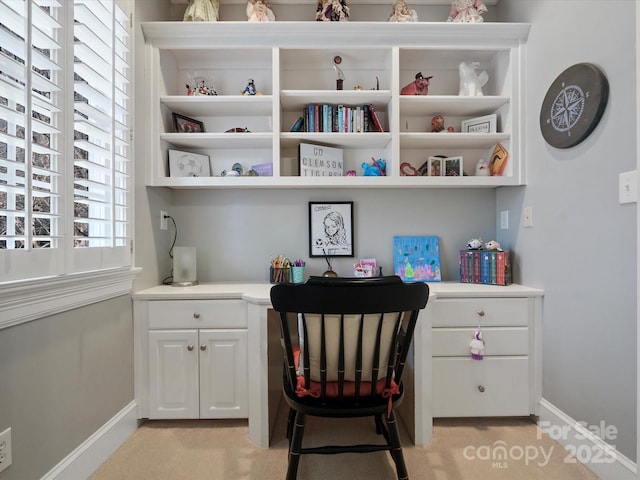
<point x="62" y="378"/>
<point x="582" y="247"/>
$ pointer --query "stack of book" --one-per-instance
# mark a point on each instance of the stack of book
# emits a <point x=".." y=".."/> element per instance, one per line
<point x="338" y="118"/>
<point x="492" y="267"/>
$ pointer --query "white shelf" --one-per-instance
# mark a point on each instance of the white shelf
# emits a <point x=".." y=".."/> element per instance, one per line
<point x="219" y="105"/>
<point x="291" y="63"/>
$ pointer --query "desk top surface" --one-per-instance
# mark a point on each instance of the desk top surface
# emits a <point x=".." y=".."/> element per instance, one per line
<point x="259" y="292"/>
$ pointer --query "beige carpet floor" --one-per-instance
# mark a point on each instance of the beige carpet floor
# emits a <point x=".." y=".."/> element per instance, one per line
<point x="460" y="449"/>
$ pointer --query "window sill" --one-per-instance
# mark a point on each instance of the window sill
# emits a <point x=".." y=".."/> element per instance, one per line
<point x="28" y="300"/>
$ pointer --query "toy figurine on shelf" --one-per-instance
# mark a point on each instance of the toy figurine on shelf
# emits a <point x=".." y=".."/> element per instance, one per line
<point x="420" y="86"/>
<point x="437" y="124"/>
<point x="260" y="11"/>
<point x="475" y="244"/>
<point x="467" y="11"/>
<point x="337" y="60"/>
<point x="482" y="168"/>
<point x="400" y="12"/>
<point x="493" y="245"/>
<point x="202" y="11"/>
<point x="250" y="89"/>
<point x="332" y="11"/>
<point x="378" y="168"/>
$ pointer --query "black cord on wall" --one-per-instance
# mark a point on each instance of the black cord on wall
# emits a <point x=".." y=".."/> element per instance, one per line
<point x="168" y="280"/>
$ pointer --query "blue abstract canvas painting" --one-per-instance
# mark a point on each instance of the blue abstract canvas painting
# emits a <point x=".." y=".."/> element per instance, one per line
<point x="417" y="259"/>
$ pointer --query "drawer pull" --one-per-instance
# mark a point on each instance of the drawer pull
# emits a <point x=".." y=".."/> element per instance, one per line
<point x="480" y="388"/>
<point x="190" y="348"/>
<point x="196" y="315"/>
<point x="203" y="347"/>
<point x="481" y="313"/>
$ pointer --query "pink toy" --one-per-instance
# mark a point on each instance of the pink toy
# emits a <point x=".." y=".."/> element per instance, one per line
<point x="420" y="86"/>
<point x="467" y="11"/>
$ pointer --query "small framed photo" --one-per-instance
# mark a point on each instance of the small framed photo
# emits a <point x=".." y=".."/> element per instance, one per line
<point x="435" y="167"/>
<point x="486" y="124"/>
<point x="184" y="124"/>
<point x="188" y="164"/>
<point x="452" y="167"/>
<point x="331" y="229"/>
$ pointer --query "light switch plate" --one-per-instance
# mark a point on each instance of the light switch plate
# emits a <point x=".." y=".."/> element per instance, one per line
<point x="628" y="187"/>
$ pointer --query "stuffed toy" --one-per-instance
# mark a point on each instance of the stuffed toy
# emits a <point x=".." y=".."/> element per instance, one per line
<point x="474" y="244"/>
<point x="420" y="86"/>
<point x="493" y="245"/>
<point x="467" y="11"/>
<point x="477" y="346"/>
<point x="482" y="168"/>
<point x="376" y="169"/>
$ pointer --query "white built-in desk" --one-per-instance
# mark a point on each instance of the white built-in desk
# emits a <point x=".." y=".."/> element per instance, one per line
<point x="213" y="351"/>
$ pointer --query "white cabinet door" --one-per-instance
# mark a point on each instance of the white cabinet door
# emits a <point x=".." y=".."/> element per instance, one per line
<point x="223" y="374"/>
<point x="173" y="374"/>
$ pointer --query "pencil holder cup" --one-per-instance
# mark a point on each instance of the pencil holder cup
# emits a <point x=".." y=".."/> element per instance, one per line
<point x="279" y="275"/>
<point x="297" y="274"/>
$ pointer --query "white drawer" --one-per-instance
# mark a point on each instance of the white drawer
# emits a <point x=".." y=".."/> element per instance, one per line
<point x="497" y="386"/>
<point x="452" y="312"/>
<point x="497" y="341"/>
<point x="197" y="314"/>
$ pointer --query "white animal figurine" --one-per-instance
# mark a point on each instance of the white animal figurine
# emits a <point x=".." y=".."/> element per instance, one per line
<point x="482" y="168"/>
<point x="476" y="346"/>
<point x="471" y="82"/>
<point x="493" y="245"/>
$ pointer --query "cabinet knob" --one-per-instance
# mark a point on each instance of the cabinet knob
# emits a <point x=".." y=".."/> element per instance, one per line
<point x="481" y="313"/>
<point x="480" y="388"/>
<point x="190" y="348"/>
<point x="203" y="347"/>
<point x="196" y="315"/>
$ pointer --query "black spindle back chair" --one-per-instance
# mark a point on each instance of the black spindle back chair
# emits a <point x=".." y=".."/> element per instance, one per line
<point x="345" y="343"/>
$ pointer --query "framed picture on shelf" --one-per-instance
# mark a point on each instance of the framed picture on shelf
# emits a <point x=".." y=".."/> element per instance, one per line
<point x="485" y="124"/>
<point x="184" y="124"/>
<point x="452" y="167"/>
<point x="331" y="229"/>
<point x="435" y="167"/>
<point x="188" y="164"/>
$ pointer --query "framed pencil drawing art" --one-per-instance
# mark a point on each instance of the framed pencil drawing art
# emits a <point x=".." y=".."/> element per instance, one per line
<point x="331" y="229"/>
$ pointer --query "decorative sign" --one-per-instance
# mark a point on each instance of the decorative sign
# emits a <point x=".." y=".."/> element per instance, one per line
<point x="320" y="161"/>
<point x="573" y="105"/>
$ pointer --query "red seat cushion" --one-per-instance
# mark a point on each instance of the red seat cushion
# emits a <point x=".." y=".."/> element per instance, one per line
<point x="349" y="388"/>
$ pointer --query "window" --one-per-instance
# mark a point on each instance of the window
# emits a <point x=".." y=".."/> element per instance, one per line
<point x="65" y="120"/>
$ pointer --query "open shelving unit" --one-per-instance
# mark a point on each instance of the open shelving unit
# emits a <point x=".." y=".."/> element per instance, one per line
<point x="292" y="66"/>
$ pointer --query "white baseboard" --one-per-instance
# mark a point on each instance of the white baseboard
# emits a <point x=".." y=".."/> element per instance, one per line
<point x="588" y="448"/>
<point x="85" y="460"/>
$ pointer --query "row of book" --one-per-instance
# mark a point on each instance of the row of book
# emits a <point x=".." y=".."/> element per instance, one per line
<point x="338" y="118"/>
<point x="492" y="267"/>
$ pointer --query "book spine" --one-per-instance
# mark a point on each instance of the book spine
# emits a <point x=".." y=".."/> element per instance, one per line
<point x="376" y="120"/>
<point x="365" y="118"/>
<point x="463" y="267"/>
<point x="476" y="267"/>
<point x="311" y="119"/>
<point x="317" y="125"/>
<point x="325" y="118"/>
<point x="340" y="118"/>
<point x="500" y="268"/>
<point x="484" y="268"/>
<point x="469" y="266"/>
<point x="492" y="267"/>
<point x="305" y="115"/>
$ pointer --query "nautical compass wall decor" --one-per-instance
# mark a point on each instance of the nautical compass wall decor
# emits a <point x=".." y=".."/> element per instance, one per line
<point x="573" y="105"/>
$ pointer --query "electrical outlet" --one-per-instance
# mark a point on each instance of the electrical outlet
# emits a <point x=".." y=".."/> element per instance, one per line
<point x="163" y="220"/>
<point x="5" y="449"/>
<point x="527" y="217"/>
